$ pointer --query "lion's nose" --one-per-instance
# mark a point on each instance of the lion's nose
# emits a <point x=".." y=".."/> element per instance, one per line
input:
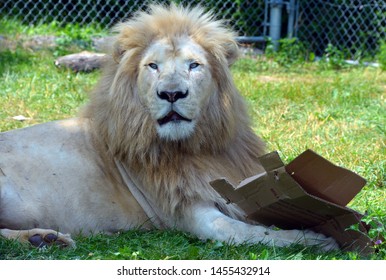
<point x="172" y="96"/>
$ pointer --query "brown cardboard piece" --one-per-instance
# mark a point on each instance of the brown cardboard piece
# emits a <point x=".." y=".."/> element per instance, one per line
<point x="309" y="193"/>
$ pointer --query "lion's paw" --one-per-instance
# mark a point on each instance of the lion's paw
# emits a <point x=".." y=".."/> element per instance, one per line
<point x="325" y="243"/>
<point x="44" y="238"/>
<point x="39" y="237"/>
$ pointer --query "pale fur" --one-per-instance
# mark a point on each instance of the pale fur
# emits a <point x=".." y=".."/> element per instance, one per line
<point x="174" y="172"/>
<point x="177" y="172"/>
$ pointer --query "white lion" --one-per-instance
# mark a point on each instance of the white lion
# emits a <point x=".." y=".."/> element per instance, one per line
<point x="164" y="121"/>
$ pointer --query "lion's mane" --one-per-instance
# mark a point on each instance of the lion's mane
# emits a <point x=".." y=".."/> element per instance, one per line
<point x="176" y="173"/>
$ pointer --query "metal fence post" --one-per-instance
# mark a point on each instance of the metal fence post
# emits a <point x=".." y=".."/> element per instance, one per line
<point x="291" y="8"/>
<point x="275" y="22"/>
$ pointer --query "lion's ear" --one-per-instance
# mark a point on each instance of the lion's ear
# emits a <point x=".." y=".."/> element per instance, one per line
<point x="118" y="52"/>
<point x="232" y="52"/>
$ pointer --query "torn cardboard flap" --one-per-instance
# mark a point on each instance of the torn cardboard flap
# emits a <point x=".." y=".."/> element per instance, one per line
<point x="323" y="179"/>
<point x="308" y="193"/>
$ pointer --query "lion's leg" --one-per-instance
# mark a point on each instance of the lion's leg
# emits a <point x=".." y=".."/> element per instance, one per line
<point x="208" y="222"/>
<point x="39" y="237"/>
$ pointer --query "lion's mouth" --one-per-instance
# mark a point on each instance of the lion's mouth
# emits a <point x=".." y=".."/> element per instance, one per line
<point x="172" y="116"/>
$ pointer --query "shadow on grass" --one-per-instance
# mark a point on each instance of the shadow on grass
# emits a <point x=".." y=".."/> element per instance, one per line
<point x="13" y="60"/>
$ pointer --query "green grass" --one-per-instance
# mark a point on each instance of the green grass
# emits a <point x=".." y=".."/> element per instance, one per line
<point x="339" y="114"/>
<point x="161" y="245"/>
<point x="33" y="87"/>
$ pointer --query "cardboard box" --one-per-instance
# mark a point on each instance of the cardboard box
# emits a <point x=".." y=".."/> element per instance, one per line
<point x="309" y="193"/>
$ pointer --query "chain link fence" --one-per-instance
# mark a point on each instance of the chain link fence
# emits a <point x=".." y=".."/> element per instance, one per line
<point x="355" y="26"/>
<point x="245" y="16"/>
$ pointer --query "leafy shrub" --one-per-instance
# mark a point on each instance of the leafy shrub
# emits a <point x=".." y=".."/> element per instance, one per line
<point x="382" y="55"/>
<point x="291" y="51"/>
<point x="333" y="58"/>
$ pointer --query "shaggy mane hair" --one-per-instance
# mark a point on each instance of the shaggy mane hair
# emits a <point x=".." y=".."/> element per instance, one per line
<point x="175" y="173"/>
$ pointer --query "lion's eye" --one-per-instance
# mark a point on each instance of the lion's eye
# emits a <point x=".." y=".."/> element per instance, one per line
<point x="193" y="65"/>
<point x="153" y="66"/>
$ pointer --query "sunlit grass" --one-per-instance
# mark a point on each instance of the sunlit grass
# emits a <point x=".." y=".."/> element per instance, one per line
<point x="340" y="115"/>
<point x="33" y="87"/>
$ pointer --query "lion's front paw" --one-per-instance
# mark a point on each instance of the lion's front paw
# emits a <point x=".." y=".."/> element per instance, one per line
<point x="325" y="243"/>
<point x="284" y="238"/>
<point x="39" y="237"/>
<point x="43" y="238"/>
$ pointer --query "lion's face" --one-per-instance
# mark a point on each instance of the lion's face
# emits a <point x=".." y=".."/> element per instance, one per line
<point x="174" y="85"/>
